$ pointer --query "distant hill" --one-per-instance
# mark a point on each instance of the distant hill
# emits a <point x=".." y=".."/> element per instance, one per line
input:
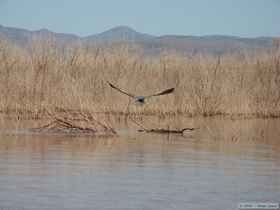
<point x="213" y="44"/>
<point x="23" y="37"/>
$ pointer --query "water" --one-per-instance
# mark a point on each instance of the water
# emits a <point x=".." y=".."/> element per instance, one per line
<point x="216" y="167"/>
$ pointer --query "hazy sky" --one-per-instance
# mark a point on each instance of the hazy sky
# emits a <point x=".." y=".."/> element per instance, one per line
<point x="249" y="18"/>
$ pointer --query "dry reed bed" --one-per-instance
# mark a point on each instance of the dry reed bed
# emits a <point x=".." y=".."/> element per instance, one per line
<point x="45" y="77"/>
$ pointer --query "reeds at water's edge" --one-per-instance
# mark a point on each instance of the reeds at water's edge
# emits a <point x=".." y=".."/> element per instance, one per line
<point x="45" y="77"/>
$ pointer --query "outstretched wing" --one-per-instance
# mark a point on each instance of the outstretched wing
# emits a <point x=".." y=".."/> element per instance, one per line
<point x="165" y="92"/>
<point x="118" y="89"/>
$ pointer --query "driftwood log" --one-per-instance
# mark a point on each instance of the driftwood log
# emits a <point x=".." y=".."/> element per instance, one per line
<point x="168" y="131"/>
<point x="161" y="130"/>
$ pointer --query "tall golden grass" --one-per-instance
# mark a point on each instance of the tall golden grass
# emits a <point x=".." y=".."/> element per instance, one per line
<point x="46" y="77"/>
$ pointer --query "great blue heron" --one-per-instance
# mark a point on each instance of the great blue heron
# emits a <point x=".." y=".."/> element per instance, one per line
<point x="141" y="99"/>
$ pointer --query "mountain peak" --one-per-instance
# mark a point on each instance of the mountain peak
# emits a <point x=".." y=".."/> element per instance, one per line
<point x="122" y="29"/>
<point x="119" y="34"/>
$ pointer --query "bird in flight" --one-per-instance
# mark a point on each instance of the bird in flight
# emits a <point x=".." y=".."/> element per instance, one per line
<point x="141" y="99"/>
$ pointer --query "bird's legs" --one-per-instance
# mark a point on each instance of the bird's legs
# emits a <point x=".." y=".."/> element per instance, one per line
<point x="127" y="113"/>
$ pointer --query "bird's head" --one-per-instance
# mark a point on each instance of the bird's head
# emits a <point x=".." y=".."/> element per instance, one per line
<point x="140" y="100"/>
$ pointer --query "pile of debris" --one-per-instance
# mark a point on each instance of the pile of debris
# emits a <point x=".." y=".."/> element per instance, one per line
<point x="74" y="123"/>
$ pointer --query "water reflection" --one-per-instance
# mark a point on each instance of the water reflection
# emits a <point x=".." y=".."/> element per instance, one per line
<point x="222" y="163"/>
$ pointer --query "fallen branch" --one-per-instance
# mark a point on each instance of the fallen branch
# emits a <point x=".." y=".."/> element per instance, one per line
<point x="162" y="130"/>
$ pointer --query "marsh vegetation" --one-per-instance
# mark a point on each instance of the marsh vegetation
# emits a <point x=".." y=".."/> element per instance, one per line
<point x="46" y="78"/>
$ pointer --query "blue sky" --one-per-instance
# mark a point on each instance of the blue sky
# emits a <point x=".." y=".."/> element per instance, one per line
<point x="247" y="18"/>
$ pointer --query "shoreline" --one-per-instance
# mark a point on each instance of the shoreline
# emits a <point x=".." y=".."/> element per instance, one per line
<point x="43" y="115"/>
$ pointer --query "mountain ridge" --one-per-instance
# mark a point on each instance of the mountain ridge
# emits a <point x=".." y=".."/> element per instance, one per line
<point x="213" y="44"/>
